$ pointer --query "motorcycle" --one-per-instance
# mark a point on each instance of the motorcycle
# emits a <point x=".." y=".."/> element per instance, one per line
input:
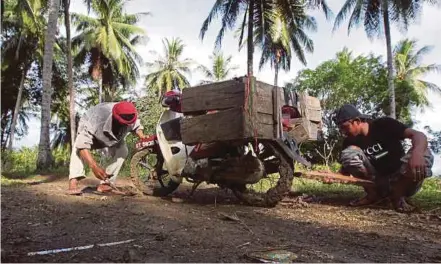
<point x="259" y="172"/>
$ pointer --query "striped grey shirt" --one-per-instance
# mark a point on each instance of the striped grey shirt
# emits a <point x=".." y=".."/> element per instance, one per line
<point x="95" y="128"/>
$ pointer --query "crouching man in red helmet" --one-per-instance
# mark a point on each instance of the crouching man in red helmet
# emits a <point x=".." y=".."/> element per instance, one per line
<point x="102" y="126"/>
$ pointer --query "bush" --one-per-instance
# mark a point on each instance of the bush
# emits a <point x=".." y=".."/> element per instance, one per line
<point x="24" y="160"/>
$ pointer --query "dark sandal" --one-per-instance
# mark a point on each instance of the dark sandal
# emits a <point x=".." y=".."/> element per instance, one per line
<point x="113" y="191"/>
<point x="363" y="201"/>
<point x="401" y="207"/>
<point x="104" y="188"/>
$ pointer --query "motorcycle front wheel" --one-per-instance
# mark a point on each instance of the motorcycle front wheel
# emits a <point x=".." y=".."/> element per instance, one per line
<point x="148" y="175"/>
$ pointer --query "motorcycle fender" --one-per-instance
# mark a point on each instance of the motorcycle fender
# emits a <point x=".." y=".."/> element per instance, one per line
<point x="292" y="153"/>
<point x="148" y="142"/>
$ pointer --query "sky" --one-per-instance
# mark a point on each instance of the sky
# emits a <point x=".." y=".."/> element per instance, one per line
<point x="183" y="19"/>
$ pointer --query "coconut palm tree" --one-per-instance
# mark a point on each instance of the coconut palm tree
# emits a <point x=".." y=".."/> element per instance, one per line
<point x="25" y="20"/>
<point x="45" y="159"/>
<point x="169" y="70"/>
<point x="376" y="16"/>
<point x="107" y="43"/>
<point x="257" y="18"/>
<point x="410" y="88"/>
<point x="72" y="115"/>
<point x="280" y="41"/>
<point x="220" y="68"/>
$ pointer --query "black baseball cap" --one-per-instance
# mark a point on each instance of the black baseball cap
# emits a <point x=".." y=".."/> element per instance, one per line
<point x="348" y="112"/>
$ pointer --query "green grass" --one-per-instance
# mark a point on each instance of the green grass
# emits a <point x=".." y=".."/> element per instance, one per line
<point x="428" y="198"/>
<point x="335" y="190"/>
<point x="430" y="194"/>
<point x="8" y="180"/>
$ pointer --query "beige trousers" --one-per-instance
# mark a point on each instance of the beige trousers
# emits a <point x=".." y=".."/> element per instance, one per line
<point x="118" y="153"/>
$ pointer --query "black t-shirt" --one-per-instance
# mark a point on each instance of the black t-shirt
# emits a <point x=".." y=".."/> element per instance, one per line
<point x="382" y="145"/>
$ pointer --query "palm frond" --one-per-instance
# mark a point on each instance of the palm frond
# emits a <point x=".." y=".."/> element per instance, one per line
<point x="243" y="27"/>
<point x="215" y="10"/>
<point x="207" y="73"/>
<point x="344" y="12"/>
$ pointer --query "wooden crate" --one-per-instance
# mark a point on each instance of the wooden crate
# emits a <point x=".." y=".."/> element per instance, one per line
<point x="229" y="119"/>
<point x="310" y="108"/>
<point x="304" y="129"/>
<point x="309" y="125"/>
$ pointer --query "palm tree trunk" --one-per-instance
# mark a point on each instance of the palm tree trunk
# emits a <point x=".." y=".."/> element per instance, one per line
<point x="45" y="159"/>
<point x="390" y="67"/>
<point x="276" y="74"/>
<point x="69" y="72"/>
<point x="17" y="109"/>
<point x="250" y="43"/>
<point x="4" y="125"/>
<point x="7" y="137"/>
<point x="100" y="91"/>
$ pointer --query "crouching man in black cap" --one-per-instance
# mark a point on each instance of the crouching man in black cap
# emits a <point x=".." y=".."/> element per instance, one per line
<point x="373" y="150"/>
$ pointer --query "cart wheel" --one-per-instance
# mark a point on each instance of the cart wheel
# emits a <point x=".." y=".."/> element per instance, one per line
<point x="275" y="185"/>
<point x="148" y="175"/>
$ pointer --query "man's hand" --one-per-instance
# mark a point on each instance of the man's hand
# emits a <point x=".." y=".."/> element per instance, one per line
<point x="140" y="134"/>
<point x="100" y="173"/>
<point x="417" y="166"/>
<point x="417" y="163"/>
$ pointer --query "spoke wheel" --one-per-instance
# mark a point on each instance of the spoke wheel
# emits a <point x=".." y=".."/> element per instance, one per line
<point x="148" y="176"/>
<point x="271" y="189"/>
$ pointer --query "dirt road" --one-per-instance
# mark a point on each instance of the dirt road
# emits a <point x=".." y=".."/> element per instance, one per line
<point x="41" y="217"/>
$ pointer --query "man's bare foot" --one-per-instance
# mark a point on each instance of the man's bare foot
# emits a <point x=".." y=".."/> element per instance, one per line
<point x="73" y="187"/>
<point x="403" y="206"/>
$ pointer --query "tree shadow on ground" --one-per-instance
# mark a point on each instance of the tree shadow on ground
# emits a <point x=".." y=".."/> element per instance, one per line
<point x="164" y="231"/>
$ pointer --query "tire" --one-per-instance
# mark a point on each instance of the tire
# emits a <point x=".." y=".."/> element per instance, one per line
<point x="155" y="180"/>
<point x="272" y="196"/>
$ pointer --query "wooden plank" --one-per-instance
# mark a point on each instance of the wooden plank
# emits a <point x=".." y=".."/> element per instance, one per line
<point x="300" y="132"/>
<point x="219" y="126"/>
<point x="263" y="98"/>
<point x="312" y="102"/>
<point x="231" y="124"/>
<point x="261" y="130"/>
<point x="265" y="131"/>
<point x="304" y="129"/>
<point x="335" y="178"/>
<point x="264" y="104"/>
<point x="313" y="130"/>
<point x="266" y="119"/>
<point x="314" y="115"/>
<point x="310" y="107"/>
<point x="214" y="96"/>
<point x="225" y="95"/>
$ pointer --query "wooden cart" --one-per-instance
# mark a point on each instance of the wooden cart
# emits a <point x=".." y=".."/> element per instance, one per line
<point x="224" y="111"/>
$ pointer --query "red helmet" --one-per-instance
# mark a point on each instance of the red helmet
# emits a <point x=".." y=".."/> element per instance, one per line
<point x="125" y="112"/>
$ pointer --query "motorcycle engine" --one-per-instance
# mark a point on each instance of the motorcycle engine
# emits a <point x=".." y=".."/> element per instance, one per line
<point x="245" y="169"/>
